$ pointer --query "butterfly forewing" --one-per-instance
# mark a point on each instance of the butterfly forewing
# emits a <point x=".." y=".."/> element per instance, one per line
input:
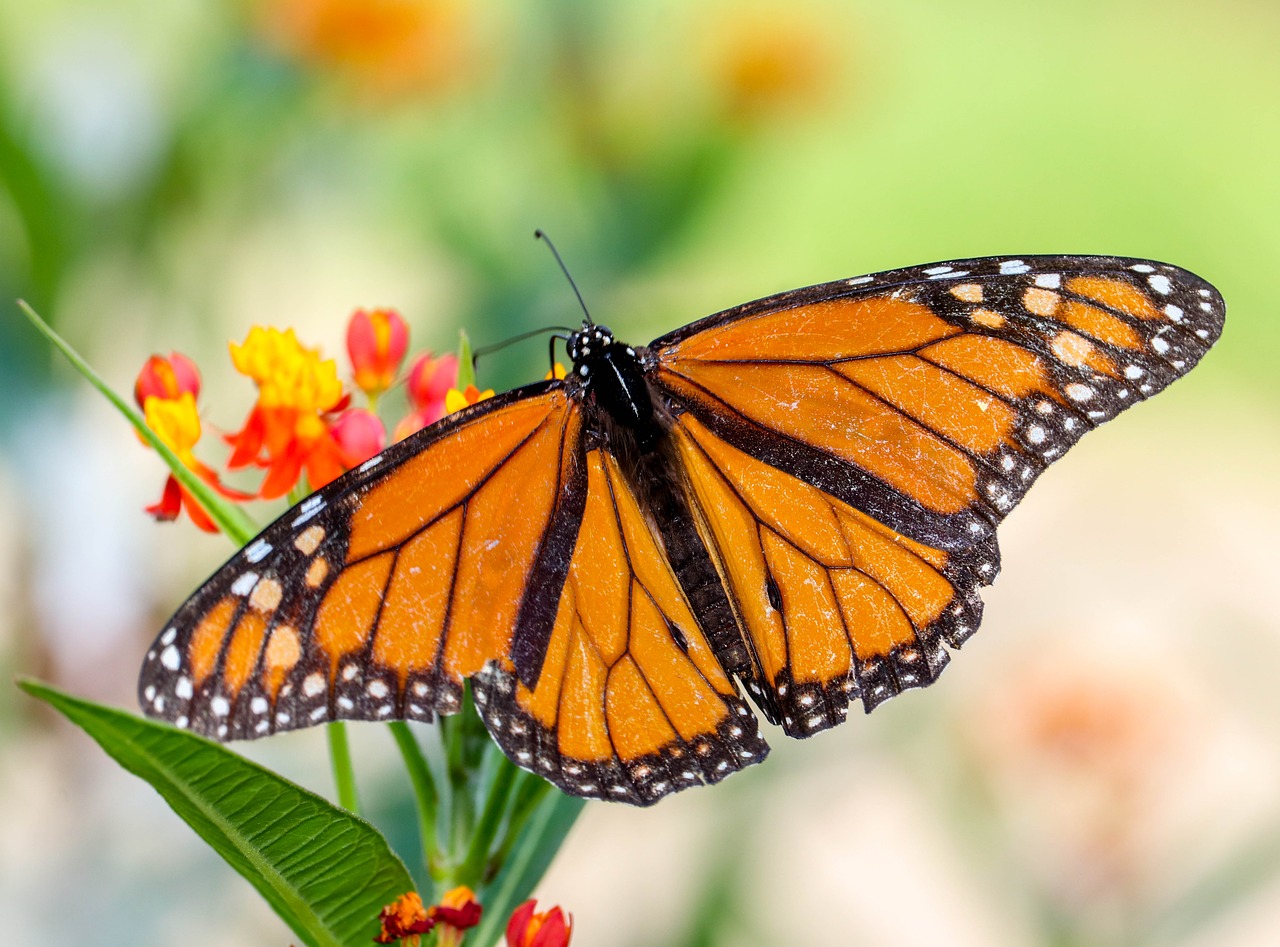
<point x="931" y="398"/>
<point x="375" y="597"/>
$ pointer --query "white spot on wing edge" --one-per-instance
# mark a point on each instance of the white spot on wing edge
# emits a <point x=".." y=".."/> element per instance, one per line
<point x="1160" y="283"/>
<point x="308" y="508"/>
<point x="244" y="583"/>
<point x="170" y="658"/>
<point x="258" y="550"/>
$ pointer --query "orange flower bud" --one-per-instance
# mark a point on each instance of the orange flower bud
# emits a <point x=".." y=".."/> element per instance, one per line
<point x="376" y="343"/>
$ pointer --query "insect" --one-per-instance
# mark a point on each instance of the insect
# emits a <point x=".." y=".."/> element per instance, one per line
<point x="796" y="498"/>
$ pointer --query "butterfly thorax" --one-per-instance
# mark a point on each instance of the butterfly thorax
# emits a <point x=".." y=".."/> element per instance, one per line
<point x="612" y="376"/>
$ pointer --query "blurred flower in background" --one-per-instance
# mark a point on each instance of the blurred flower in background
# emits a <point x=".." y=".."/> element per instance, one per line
<point x="386" y="48"/>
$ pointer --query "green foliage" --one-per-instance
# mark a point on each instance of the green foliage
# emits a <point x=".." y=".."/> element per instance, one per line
<point x="324" y="871"/>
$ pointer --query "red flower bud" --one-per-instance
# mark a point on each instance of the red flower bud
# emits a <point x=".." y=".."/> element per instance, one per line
<point x="167" y="378"/>
<point x="546" y="929"/>
<point x="430" y="379"/>
<point x="376" y="342"/>
<point x="360" y="435"/>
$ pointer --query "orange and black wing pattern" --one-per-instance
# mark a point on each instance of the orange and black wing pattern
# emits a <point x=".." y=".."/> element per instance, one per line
<point x="631" y="702"/>
<point x="377" y="596"/>
<point x="851" y="447"/>
<point x="799" y="494"/>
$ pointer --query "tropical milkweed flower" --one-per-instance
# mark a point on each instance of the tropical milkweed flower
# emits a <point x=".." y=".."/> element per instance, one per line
<point x="407" y="919"/>
<point x="528" y="928"/>
<point x="290" y="429"/>
<point x="427" y="386"/>
<point x="456" y="400"/>
<point x="404" y="918"/>
<point x="376" y="342"/>
<point x="457" y="911"/>
<point x="166" y="390"/>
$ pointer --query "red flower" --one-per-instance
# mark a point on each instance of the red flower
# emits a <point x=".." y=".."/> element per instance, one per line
<point x="376" y="342"/>
<point x="457" y="911"/>
<point x="166" y="391"/>
<point x="404" y="918"/>
<point x="547" y="929"/>
<point x="429" y="381"/>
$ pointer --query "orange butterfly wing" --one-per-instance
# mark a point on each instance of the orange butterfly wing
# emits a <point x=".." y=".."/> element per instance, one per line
<point x="851" y="446"/>
<point x="838" y="458"/>
<point x="376" y="596"/>
<point x="631" y="702"/>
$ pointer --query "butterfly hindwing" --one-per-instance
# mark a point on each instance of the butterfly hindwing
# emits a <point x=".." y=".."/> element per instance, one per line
<point x="376" y="596"/>
<point x="835" y="605"/>
<point x="631" y="703"/>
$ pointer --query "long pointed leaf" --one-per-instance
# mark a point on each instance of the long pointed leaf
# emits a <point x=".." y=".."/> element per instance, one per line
<point x="231" y="519"/>
<point x="324" y="871"/>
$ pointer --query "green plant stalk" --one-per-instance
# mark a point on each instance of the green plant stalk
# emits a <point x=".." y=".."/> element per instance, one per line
<point x="466" y="362"/>
<point x="460" y="811"/>
<point x="344" y="774"/>
<point x="475" y="866"/>
<point x="230" y="519"/>
<point x="529" y="792"/>
<point x="537" y="846"/>
<point x="425" y="793"/>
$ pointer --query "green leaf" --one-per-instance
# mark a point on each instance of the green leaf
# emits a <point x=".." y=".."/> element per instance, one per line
<point x="326" y="872"/>
<point x="230" y="518"/>
<point x="542" y="837"/>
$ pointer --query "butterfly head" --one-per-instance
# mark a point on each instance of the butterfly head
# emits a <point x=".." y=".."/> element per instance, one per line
<point x="611" y="374"/>
<point x="589" y="339"/>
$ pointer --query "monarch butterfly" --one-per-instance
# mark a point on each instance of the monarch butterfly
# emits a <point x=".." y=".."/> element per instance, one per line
<point x="797" y="496"/>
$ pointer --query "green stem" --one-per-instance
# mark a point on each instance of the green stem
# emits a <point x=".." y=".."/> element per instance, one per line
<point x="231" y="519"/>
<point x="344" y="774"/>
<point x="424" y="789"/>
<point x="529" y="793"/>
<point x="475" y="866"/>
<point x="459" y="807"/>
<point x="466" y="362"/>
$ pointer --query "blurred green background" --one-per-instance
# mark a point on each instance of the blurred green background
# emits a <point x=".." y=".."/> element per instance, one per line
<point x="1101" y="766"/>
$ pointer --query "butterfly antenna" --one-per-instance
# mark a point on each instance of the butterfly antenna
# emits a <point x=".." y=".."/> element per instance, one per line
<point x="497" y="346"/>
<point x="539" y="235"/>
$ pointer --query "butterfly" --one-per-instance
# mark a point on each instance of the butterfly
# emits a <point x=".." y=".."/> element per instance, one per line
<point x="794" y="501"/>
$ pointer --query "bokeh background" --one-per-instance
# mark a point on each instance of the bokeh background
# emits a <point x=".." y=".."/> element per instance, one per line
<point x="1100" y="766"/>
